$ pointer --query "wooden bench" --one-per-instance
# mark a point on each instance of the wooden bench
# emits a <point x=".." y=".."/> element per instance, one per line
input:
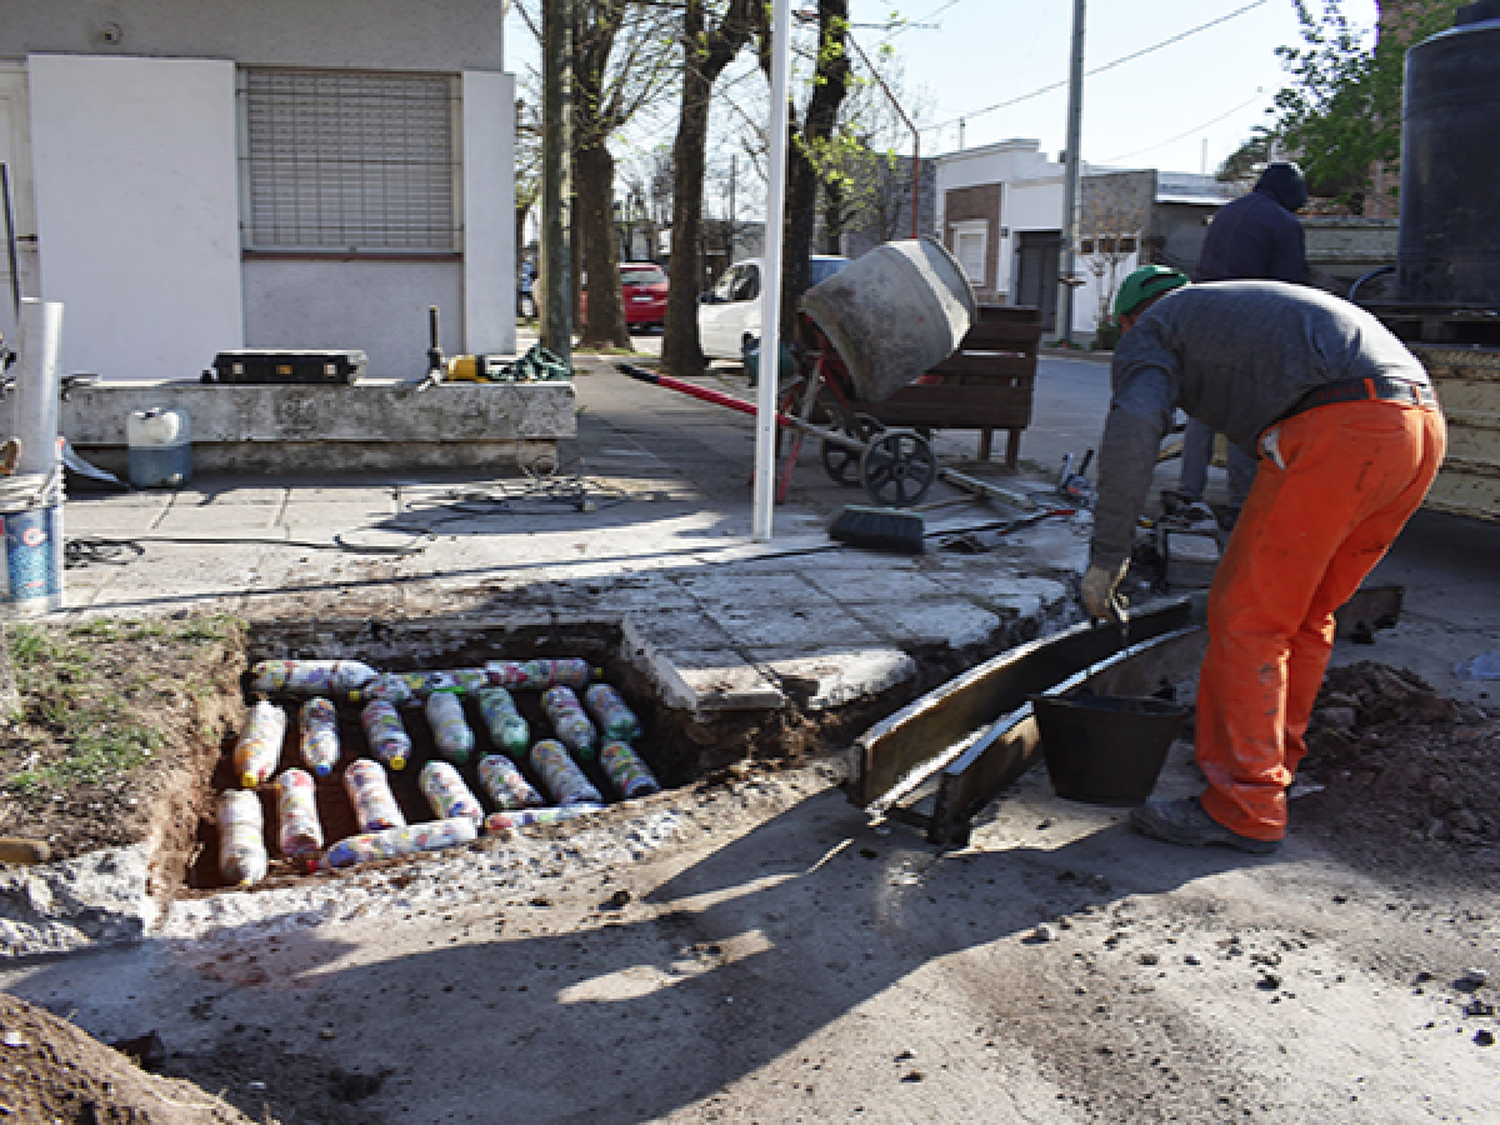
<point x="986" y="385"/>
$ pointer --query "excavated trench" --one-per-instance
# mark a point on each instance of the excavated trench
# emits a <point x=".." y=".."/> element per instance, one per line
<point x="680" y="747"/>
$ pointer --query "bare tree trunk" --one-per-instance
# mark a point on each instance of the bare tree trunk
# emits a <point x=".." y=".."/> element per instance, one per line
<point x="807" y="149"/>
<point x="594" y="218"/>
<point x="706" y="54"/>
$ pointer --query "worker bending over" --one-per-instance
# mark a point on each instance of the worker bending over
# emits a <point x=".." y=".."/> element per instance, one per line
<point x="1349" y="437"/>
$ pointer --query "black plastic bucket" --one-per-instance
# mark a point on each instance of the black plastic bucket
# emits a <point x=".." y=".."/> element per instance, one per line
<point x="1105" y="749"/>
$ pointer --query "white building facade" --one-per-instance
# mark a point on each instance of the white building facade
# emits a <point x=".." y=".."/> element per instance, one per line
<point x="192" y="176"/>
<point x="1000" y="210"/>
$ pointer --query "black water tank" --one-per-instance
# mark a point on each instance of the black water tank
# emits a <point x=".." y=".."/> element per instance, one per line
<point x="1449" y="249"/>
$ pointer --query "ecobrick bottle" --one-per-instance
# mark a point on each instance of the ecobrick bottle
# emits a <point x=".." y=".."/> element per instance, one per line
<point x="370" y="793"/>
<point x="300" y="833"/>
<point x="564" y="782"/>
<point x="385" y="733"/>
<point x="446" y="792"/>
<point x="508" y="730"/>
<point x="320" y="735"/>
<point x="257" y="752"/>
<point x="569" y="723"/>
<point x="242" y="838"/>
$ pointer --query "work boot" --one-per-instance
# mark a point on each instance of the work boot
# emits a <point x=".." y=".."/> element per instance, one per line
<point x="1184" y="822"/>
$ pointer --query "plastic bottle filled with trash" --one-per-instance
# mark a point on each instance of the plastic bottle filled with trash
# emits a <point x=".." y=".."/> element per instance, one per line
<point x="508" y="731"/>
<point x="510" y="819"/>
<point x="242" y="838"/>
<point x="506" y="785"/>
<point x="370" y="793"/>
<point x="569" y="723"/>
<point x="258" y="751"/>
<point x="630" y="776"/>
<point x="564" y="782"/>
<point x="428" y="836"/>
<point x="320" y="735"/>
<point x="609" y="710"/>
<point x="447" y="794"/>
<point x="537" y="675"/>
<point x="388" y="739"/>
<point x="311" y="677"/>
<point x="450" y="729"/>
<point x="419" y="685"/>
<point x="300" y="834"/>
<point x="388" y="687"/>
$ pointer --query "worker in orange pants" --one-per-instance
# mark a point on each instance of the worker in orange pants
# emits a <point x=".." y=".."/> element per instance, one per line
<point x="1349" y="437"/>
<point x="1336" y="485"/>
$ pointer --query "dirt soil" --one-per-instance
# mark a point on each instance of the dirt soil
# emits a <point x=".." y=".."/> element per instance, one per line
<point x="1409" y="779"/>
<point x="50" y="1071"/>
<point x="108" y="720"/>
<point x="1408" y="784"/>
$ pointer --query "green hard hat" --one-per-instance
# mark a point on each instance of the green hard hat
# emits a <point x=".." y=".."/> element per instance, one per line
<point x="1144" y="284"/>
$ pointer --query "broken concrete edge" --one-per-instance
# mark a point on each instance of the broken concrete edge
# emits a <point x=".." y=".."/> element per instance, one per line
<point x="103" y="898"/>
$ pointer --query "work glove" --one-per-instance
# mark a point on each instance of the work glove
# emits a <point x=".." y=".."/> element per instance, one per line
<point x="1099" y="597"/>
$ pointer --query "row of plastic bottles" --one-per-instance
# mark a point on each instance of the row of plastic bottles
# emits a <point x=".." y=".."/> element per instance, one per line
<point x="243" y="858"/>
<point x="258" y="751"/>
<point x="383" y="828"/>
<point x="360" y="683"/>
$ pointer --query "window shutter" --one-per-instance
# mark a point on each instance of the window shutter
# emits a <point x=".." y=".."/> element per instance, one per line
<point x="347" y="160"/>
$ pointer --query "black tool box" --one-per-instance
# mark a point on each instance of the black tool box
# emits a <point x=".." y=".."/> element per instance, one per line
<point x="286" y="366"/>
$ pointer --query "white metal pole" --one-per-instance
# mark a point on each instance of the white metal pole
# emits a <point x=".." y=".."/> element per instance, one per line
<point x="770" y="297"/>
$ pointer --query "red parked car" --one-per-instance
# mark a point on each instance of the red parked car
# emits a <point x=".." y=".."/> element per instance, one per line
<point x="643" y="290"/>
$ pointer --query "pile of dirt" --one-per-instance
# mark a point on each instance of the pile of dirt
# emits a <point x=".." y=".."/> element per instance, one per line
<point x="1407" y="775"/>
<point x="50" y="1071"/>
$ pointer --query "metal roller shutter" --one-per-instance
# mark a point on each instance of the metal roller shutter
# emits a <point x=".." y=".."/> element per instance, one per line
<point x="349" y="161"/>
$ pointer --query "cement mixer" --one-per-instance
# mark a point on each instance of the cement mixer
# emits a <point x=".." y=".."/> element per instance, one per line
<point x="864" y="334"/>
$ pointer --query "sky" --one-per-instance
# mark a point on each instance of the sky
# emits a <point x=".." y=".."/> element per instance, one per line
<point x="1157" y="111"/>
<point x="1182" y="108"/>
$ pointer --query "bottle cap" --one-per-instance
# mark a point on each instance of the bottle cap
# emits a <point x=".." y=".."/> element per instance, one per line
<point x="398" y="763"/>
<point x="249" y="780"/>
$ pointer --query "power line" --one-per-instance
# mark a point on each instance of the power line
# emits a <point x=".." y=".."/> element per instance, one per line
<point x="1188" y="133"/>
<point x="1178" y="38"/>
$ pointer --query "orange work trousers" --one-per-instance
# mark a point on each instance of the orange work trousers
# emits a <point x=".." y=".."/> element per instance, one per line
<point x="1334" y="487"/>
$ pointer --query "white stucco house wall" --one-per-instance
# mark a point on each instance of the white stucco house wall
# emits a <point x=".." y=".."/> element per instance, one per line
<point x="191" y="176"/>
<point x="1000" y="210"/>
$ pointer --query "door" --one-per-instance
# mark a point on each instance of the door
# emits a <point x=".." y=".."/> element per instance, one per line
<point x="1037" y="261"/>
<point x="18" y="245"/>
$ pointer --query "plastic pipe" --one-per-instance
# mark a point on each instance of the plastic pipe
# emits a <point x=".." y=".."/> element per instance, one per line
<point x="34" y="415"/>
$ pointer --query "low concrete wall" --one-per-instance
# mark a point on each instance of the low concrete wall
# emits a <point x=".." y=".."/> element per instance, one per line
<point x="375" y="425"/>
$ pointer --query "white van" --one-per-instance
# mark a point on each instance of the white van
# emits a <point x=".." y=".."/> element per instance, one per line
<point x="731" y="309"/>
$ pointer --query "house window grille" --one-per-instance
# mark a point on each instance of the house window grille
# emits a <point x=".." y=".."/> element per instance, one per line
<point x="349" y="161"/>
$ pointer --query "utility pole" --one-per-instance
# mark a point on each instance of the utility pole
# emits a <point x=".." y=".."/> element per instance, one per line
<point x="1067" y="282"/>
<point x="557" y="146"/>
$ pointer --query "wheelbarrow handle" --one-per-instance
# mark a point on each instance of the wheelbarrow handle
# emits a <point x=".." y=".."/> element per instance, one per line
<point x="719" y="398"/>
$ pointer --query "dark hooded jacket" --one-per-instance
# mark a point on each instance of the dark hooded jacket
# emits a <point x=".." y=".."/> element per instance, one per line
<point x="1257" y="236"/>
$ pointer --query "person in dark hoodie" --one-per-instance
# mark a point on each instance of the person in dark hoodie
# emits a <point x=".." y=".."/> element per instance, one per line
<point x="1256" y="237"/>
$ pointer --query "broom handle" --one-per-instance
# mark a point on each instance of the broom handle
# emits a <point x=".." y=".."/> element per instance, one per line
<point x="719" y="398"/>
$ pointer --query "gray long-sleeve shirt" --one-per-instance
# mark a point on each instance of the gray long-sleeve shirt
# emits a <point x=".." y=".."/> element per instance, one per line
<point x="1236" y="355"/>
